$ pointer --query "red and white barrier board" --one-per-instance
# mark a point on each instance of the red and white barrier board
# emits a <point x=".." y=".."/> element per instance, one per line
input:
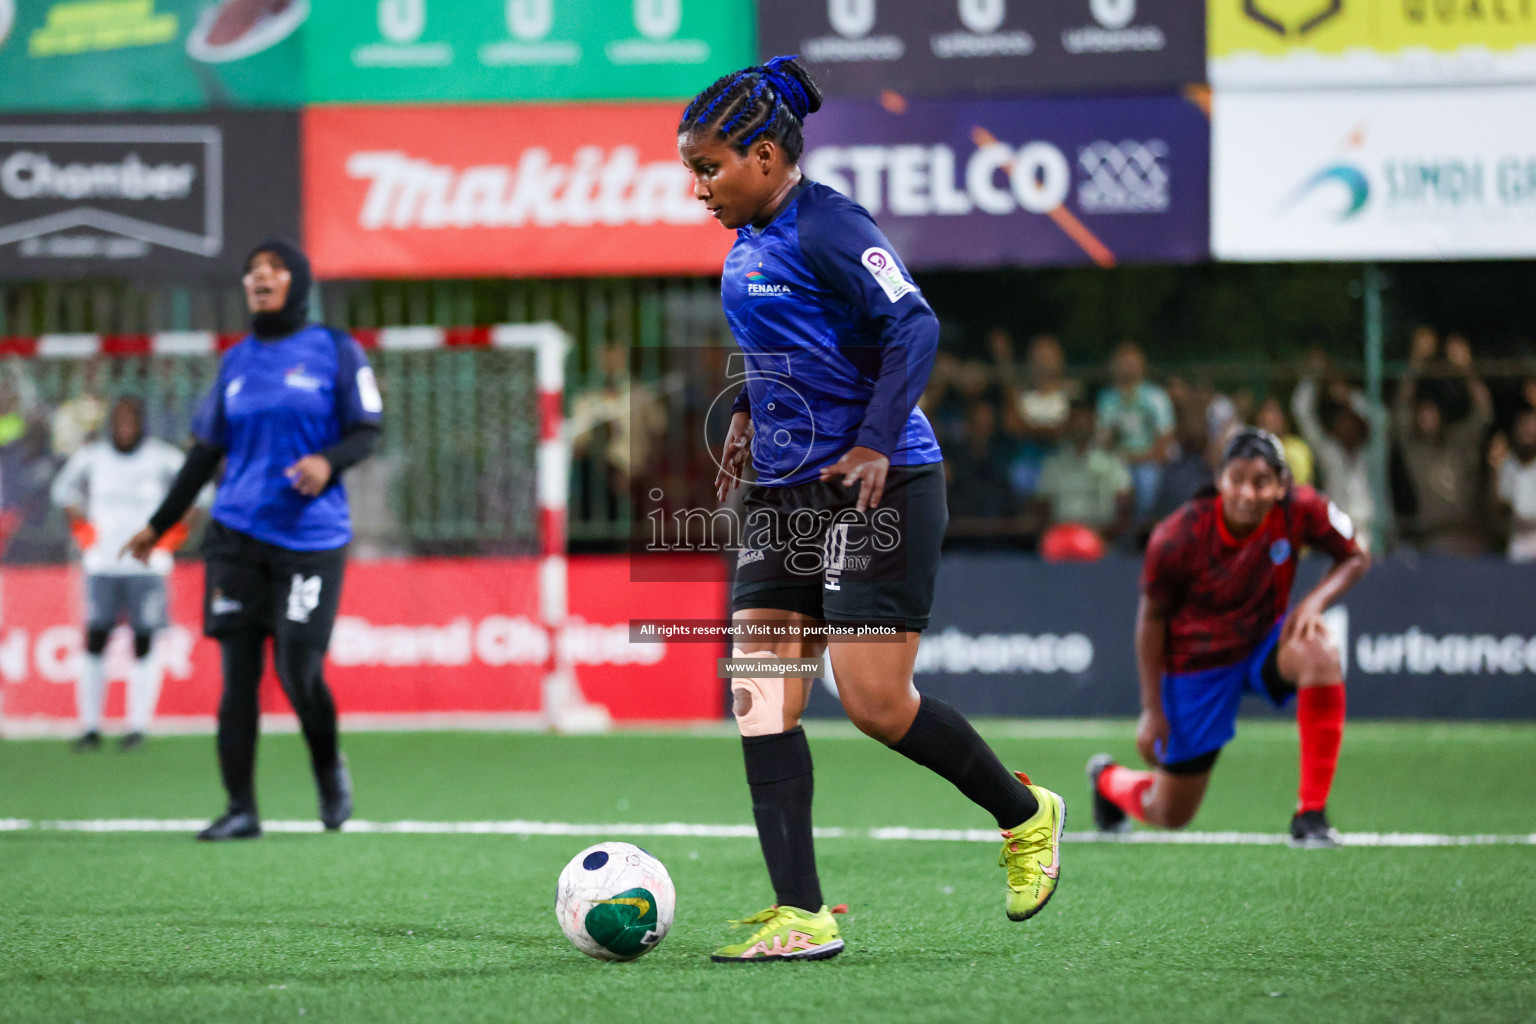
<point x="418" y="641"/>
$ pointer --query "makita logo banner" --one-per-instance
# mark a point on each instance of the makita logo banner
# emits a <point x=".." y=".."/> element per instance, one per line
<point x="148" y="196"/>
<point x="507" y="191"/>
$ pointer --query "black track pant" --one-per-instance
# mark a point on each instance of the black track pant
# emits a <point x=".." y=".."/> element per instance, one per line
<point x="255" y="590"/>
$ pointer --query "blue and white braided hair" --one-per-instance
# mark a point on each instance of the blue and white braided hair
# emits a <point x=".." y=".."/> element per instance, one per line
<point x="769" y="100"/>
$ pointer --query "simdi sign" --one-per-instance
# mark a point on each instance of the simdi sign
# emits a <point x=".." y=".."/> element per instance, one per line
<point x="503" y="191"/>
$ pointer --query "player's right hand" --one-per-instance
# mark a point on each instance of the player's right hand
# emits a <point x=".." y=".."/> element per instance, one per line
<point x="1151" y="735"/>
<point x="140" y="544"/>
<point x="734" y="454"/>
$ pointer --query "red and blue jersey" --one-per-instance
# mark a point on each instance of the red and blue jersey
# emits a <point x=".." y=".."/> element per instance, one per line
<point x="273" y="403"/>
<point x="1223" y="595"/>
<point x="838" y="341"/>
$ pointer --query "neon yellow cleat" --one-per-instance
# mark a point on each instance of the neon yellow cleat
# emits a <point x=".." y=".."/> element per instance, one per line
<point x="787" y="933"/>
<point x="1032" y="855"/>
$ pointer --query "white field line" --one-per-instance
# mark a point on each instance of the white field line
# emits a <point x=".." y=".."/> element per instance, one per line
<point x="682" y="829"/>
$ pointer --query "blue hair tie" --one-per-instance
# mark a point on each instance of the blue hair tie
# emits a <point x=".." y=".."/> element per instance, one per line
<point x="790" y="92"/>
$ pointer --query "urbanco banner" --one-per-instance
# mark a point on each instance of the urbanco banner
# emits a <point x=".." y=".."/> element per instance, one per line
<point x="152" y="54"/>
<point x="472" y="50"/>
<point x="1017" y="636"/>
<point x="1424" y="174"/>
<point x="1023" y="182"/>
<point x="939" y="48"/>
<point x="415" y="639"/>
<point x="528" y="190"/>
<point x="1309" y="44"/>
<point x="165" y="197"/>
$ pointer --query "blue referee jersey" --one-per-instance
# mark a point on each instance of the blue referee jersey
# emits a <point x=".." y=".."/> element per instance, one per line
<point x="838" y="341"/>
<point x="275" y="402"/>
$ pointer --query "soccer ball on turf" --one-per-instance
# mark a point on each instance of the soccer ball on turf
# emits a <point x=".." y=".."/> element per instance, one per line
<point x="615" y="901"/>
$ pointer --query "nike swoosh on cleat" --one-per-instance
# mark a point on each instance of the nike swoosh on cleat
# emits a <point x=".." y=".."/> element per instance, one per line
<point x="642" y="905"/>
<point x="1054" y="870"/>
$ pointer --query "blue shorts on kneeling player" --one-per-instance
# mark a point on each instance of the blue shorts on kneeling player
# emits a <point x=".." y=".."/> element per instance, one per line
<point x="1201" y="707"/>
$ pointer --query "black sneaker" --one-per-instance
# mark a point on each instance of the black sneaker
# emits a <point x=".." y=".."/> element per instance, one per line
<point x="131" y="741"/>
<point x="233" y="825"/>
<point x="336" y="796"/>
<point x="1106" y="816"/>
<point x="90" y="741"/>
<point x="1310" y="831"/>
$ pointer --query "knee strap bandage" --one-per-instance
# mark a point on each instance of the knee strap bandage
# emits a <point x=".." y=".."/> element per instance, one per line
<point x="758" y="702"/>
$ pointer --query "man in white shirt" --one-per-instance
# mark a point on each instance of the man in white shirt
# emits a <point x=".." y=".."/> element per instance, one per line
<point x="1517" y="487"/>
<point x="108" y="490"/>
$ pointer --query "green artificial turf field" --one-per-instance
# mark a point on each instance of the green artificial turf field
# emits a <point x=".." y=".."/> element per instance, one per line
<point x="149" y="926"/>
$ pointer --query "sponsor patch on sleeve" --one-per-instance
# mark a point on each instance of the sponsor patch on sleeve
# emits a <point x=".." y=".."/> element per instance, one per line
<point x="882" y="266"/>
<point x="368" y="391"/>
<point x="1341" y="521"/>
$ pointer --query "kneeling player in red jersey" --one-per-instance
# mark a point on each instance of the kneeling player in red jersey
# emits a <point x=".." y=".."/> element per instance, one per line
<point x="1213" y="625"/>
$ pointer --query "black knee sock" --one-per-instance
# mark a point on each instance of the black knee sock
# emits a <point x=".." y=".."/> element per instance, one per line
<point x="779" y="773"/>
<point x="941" y="740"/>
<point x="300" y="670"/>
<point x="239" y="715"/>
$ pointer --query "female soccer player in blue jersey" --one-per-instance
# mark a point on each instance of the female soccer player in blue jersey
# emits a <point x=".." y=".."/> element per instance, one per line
<point x="294" y="405"/>
<point x="844" y="521"/>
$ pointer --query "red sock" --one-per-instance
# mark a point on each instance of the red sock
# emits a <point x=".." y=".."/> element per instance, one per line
<point x="1126" y="788"/>
<point x="1320" y="720"/>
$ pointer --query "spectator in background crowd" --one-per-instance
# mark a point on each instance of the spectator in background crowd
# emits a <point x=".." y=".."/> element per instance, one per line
<point x="1135" y="422"/>
<point x="942" y="402"/>
<point x="13" y="420"/>
<point x="1443" y="459"/>
<point x="1040" y="411"/>
<point x="1084" y="484"/>
<point x="76" y="420"/>
<point x="1514" y="465"/>
<point x="1338" y="434"/>
<point x="977" y="469"/>
<point x="1190" y="469"/>
<point x="1298" y="454"/>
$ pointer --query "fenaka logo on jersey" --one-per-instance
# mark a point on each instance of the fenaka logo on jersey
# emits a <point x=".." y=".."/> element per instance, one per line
<point x="882" y="266"/>
<point x="1280" y="551"/>
<point x="758" y="284"/>
<point x="297" y="378"/>
<point x="75" y="191"/>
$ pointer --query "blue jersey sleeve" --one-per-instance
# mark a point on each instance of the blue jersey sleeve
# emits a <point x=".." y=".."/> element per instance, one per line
<point x="844" y="248"/>
<point x="358" y="402"/>
<point x="208" y="420"/>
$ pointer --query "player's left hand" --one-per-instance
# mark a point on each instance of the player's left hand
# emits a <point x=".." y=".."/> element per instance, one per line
<point x="1305" y="623"/>
<point x="865" y="466"/>
<point x="309" y="475"/>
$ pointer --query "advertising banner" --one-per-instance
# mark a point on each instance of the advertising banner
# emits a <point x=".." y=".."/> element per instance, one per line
<point x="466" y="50"/>
<point x="503" y="191"/>
<point x="1412" y="175"/>
<point x="125" y="54"/>
<point x="944" y="48"/>
<point x="178" y="197"/>
<point x="989" y="183"/>
<point x="415" y="639"/>
<point x="1306" y="44"/>
<point x="1439" y="638"/>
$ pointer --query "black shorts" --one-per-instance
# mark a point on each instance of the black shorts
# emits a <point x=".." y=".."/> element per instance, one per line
<point x="252" y="586"/>
<point x="807" y="549"/>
